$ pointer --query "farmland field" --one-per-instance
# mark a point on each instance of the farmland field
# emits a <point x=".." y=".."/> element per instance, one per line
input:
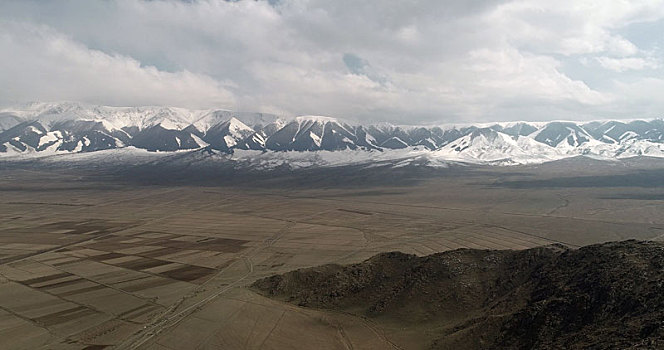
<point x="92" y="263"/>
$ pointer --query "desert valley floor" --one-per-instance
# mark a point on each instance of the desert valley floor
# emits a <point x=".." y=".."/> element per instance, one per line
<point x="91" y="263"/>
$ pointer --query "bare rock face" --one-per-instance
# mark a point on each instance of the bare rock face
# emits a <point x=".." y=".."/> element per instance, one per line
<point x="601" y="296"/>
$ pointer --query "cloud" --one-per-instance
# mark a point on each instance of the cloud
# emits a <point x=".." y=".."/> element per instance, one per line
<point x="359" y="66"/>
<point x="513" y="75"/>
<point x="41" y="64"/>
<point x="626" y="64"/>
<point x="406" y="62"/>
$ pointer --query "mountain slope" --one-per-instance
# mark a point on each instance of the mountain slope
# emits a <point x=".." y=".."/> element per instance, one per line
<point x="602" y="296"/>
<point x="48" y="128"/>
<point x="226" y="135"/>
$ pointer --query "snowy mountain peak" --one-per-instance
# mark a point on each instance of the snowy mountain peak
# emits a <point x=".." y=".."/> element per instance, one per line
<point x="235" y="126"/>
<point x="564" y="134"/>
<point x="316" y="119"/>
<point x="69" y="127"/>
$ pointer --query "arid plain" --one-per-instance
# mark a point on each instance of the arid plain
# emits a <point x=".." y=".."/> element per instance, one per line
<point x="92" y="262"/>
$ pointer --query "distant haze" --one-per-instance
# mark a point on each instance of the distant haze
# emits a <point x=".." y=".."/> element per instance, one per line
<point x="405" y="62"/>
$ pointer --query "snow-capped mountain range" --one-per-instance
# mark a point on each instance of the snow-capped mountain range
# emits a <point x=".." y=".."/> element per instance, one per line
<point x="63" y="128"/>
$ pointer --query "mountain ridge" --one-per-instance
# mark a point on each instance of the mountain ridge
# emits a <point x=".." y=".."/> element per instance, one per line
<point x="54" y="128"/>
<point x="601" y="296"/>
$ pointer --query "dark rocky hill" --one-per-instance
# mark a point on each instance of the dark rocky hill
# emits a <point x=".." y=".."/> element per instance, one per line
<point x="607" y="296"/>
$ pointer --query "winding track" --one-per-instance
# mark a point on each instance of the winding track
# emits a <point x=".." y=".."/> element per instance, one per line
<point x="168" y="319"/>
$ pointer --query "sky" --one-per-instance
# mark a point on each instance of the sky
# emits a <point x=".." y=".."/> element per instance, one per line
<point x="404" y="61"/>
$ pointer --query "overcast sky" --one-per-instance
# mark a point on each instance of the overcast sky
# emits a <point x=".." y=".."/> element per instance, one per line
<point x="406" y="61"/>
